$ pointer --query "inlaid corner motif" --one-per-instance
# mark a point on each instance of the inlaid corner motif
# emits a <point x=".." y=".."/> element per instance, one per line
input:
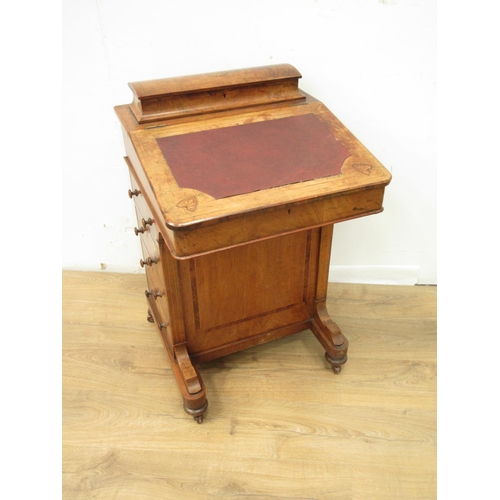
<point x="190" y="203"/>
<point x="363" y="168"/>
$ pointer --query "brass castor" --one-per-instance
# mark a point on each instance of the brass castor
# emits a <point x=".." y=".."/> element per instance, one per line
<point x="199" y="419"/>
<point x="336" y="369"/>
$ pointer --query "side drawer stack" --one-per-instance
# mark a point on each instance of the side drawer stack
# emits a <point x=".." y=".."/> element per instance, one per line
<point x="147" y="231"/>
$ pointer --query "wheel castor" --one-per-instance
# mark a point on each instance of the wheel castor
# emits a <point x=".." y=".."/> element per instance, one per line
<point x="197" y="413"/>
<point x="335" y="363"/>
<point x="150" y="317"/>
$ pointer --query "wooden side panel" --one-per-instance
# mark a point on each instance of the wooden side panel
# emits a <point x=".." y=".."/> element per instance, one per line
<point x="263" y="278"/>
<point x="245" y="291"/>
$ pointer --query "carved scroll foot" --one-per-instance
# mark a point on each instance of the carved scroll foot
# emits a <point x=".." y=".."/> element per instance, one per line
<point x="190" y="383"/>
<point x="187" y="378"/>
<point x="330" y="337"/>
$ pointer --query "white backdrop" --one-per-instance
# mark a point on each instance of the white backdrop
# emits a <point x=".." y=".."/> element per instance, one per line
<point x="372" y="62"/>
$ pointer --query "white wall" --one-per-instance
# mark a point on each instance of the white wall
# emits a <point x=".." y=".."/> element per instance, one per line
<point x="372" y="62"/>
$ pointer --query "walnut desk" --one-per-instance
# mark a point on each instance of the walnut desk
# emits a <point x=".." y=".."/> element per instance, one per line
<point x="238" y="178"/>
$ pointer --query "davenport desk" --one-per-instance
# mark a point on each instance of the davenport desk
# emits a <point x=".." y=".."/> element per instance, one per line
<point x="238" y="178"/>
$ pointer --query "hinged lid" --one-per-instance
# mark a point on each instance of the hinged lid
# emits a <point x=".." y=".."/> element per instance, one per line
<point x="231" y="157"/>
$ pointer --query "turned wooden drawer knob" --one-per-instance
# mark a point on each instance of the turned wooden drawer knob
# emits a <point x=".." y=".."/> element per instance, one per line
<point x="153" y="293"/>
<point x="148" y="262"/>
<point x="138" y="230"/>
<point x="135" y="192"/>
<point x="146" y="222"/>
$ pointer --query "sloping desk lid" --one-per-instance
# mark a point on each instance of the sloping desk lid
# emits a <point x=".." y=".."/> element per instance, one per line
<point x="223" y="166"/>
<point x="223" y="151"/>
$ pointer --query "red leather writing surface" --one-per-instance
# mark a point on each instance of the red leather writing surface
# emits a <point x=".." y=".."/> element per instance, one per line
<point x="245" y="158"/>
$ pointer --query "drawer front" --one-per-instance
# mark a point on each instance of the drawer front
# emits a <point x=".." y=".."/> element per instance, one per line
<point x="156" y="296"/>
<point x="151" y="249"/>
<point x="146" y="227"/>
<point x="158" y="293"/>
<point x="161" y="318"/>
<point x="157" y="300"/>
<point x="144" y="213"/>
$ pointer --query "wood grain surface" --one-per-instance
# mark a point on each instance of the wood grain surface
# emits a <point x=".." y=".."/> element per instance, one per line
<point x="233" y="157"/>
<point x="280" y="424"/>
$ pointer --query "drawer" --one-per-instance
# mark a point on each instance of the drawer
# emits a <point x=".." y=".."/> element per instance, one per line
<point x="150" y="247"/>
<point x="143" y="211"/>
<point x="153" y="267"/>
<point x="144" y="226"/>
<point x="162" y="321"/>
<point x="145" y="218"/>
<point x="155" y="285"/>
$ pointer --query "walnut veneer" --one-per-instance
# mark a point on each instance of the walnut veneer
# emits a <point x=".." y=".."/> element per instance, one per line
<point x="238" y="178"/>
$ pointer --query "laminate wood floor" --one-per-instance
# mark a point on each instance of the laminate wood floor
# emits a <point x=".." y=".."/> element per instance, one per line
<point x="280" y="424"/>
